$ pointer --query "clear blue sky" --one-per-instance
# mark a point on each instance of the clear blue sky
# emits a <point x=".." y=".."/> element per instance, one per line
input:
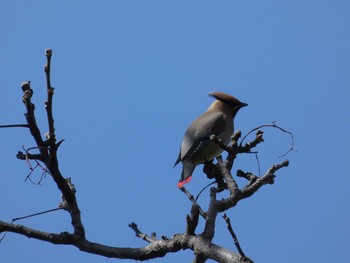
<point x="131" y="75"/>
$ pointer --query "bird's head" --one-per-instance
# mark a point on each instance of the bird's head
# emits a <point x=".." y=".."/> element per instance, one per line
<point x="226" y="102"/>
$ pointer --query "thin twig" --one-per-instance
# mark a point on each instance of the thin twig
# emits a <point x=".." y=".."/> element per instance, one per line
<point x="273" y="125"/>
<point x="188" y="194"/>
<point x="205" y="187"/>
<point x="36" y="214"/>
<point x="32" y="215"/>
<point x="30" y="173"/>
<point x="50" y="91"/>
<point x="250" y="145"/>
<point x="248" y="176"/>
<point x="258" y="163"/>
<point x="235" y="240"/>
<point x="27" y="158"/>
<point x="15" y="126"/>
<point x="2" y="238"/>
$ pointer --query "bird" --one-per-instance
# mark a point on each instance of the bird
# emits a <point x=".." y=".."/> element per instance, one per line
<point x="196" y="147"/>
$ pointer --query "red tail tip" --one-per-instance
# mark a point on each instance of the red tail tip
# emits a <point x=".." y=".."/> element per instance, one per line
<point x="181" y="183"/>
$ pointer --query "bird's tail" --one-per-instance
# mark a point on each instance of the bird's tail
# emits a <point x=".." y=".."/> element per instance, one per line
<point x="181" y="183"/>
<point x="186" y="175"/>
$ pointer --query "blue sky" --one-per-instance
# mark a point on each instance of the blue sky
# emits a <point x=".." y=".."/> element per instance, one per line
<point x="131" y="75"/>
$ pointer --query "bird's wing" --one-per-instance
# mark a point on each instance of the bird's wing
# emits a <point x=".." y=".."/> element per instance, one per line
<point x="197" y="137"/>
<point x="178" y="159"/>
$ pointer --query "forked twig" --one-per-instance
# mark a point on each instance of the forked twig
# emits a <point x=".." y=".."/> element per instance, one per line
<point x="141" y="235"/>
<point x="27" y="157"/>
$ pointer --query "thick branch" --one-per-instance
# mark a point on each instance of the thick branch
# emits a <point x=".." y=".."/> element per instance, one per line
<point x="156" y="249"/>
<point x="192" y="221"/>
<point x="225" y="168"/>
<point x="209" y="229"/>
<point x="63" y="238"/>
<point x="30" y="117"/>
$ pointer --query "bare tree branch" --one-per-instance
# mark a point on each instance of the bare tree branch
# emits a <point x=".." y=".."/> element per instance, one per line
<point x="156" y="249"/>
<point x="201" y="245"/>
<point x="235" y="240"/>
<point x="50" y="92"/>
<point x="36" y="214"/>
<point x="225" y="168"/>
<point x="192" y="221"/>
<point x="250" y="189"/>
<point x="191" y="198"/>
<point x="15" y="126"/>
<point x="267" y="178"/>
<point x="139" y="234"/>
<point x="30" y="117"/>
<point x="209" y="229"/>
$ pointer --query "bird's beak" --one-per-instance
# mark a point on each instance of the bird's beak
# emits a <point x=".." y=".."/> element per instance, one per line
<point x="243" y="105"/>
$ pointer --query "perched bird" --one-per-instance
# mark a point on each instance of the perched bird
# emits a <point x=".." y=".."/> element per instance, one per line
<point x="196" y="147"/>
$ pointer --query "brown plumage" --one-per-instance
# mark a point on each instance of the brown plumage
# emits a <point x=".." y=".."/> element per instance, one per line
<point x="196" y="147"/>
